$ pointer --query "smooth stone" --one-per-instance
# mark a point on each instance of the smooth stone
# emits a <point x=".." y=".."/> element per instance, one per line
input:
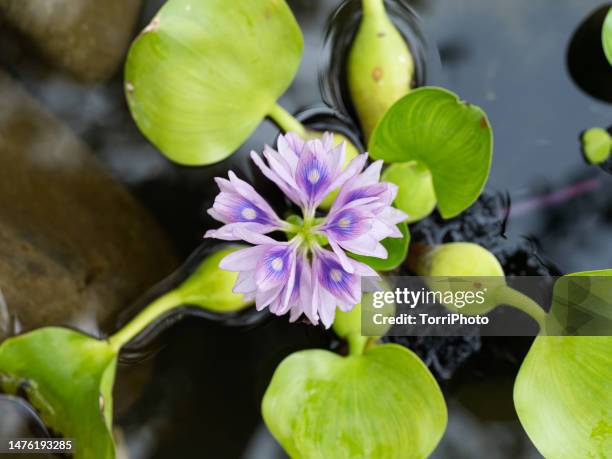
<point x="75" y="247"/>
<point x="86" y="38"/>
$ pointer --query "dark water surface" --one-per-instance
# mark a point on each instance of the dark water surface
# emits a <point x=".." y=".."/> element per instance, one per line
<point x="196" y="388"/>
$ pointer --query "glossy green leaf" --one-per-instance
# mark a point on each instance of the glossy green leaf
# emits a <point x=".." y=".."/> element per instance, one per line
<point x="204" y="73"/>
<point x="563" y="396"/>
<point x="453" y="139"/>
<point x="596" y="145"/>
<point x="606" y="36"/>
<point x="68" y="377"/>
<point x="211" y="287"/>
<point x="416" y="195"/>
<point x="384" y="404"/>
<point x="380" y="67"/>
<point x="397" y="249"/>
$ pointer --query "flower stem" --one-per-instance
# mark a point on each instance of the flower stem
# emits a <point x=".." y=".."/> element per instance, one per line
<point x="511" y="297"/>
<point x="357" y="343"/>
<point x="145" y="317"/>
<point x="286" y="121"/>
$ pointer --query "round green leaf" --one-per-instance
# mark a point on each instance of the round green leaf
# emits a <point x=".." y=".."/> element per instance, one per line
<point x="596" y="145"/>
<point x="453" y="139"/>
<point x="211" y="287"/>
<point x="204" y="73"/>
<point x="581" y="304"/>
<point x="563" y="396"/>
<point x="416" y="194"/>
<point x="68" y="377"/>
<point x="397" y="249"/>
<point x="384" y="404"/>
<point x="606" y="36"/>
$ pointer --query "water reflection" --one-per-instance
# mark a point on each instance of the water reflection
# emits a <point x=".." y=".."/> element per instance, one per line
<point x="586" y="61"/>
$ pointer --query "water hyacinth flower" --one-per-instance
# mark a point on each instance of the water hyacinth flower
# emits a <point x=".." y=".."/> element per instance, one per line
<point x="303" y="275"/>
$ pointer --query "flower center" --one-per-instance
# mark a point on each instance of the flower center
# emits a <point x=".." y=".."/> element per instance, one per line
<point x="277" y="264"/>
<point x="248" y="213"/>
<point x="335" y="275"/>
<point x="344" y="222"/>
<point x="314" y="176"/>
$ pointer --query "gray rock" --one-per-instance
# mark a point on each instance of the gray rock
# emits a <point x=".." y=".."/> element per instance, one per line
<point x="75" y="246"/>
<point x="86" y="38"/>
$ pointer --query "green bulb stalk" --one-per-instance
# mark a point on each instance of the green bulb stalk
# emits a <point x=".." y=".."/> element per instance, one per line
<point x="208" y="287"/>
<point x="380" y="66"/>
<point x="146" y="317"/>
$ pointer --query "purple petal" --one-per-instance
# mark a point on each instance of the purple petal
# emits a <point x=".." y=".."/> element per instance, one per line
<point x="274" y="266"/>
<point x="353" y="191"/>
<point x="280" y="166"/>
<point x="243" y="259"/>
<point x="264" y="298"/>
<point x="237" y="231"/>
<point x="365" y="245"/>
<point x="347" y="224"/>
<point x="313" y="176"/>
<point x="246" y="234"/>
<point x="289" y="296"/>
<point x="327" y="140"/>
<point x="306" y="302"/>
<point x="248" y="192"/>
<point x="352" y="169"/>
<point x="335" y="156"/>
<point x="393" y="216"/>
<point x="372" y="173"/>
<point x="289" y="147"/>
<point x="290" y="192"/>
<point x="238" y="202"/>
<point x="344" y="260"/>
<point x="330" y="274"/>
<point x="291" y="142"/>
<point x="245" y="283"/>
<point x="327" y="306"/>
<point x="364" y="270"/>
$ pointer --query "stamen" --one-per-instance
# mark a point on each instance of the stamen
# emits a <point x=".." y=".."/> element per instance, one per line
<point x="314" y="176"/>
<point x="336" y="275"/>
<point x="248" y="213"/>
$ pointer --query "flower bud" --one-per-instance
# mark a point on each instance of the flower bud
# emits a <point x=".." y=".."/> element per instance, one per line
<point x="596" y="145"/>
<point x="416" y="195"/>
<point x="470" y="267"/>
